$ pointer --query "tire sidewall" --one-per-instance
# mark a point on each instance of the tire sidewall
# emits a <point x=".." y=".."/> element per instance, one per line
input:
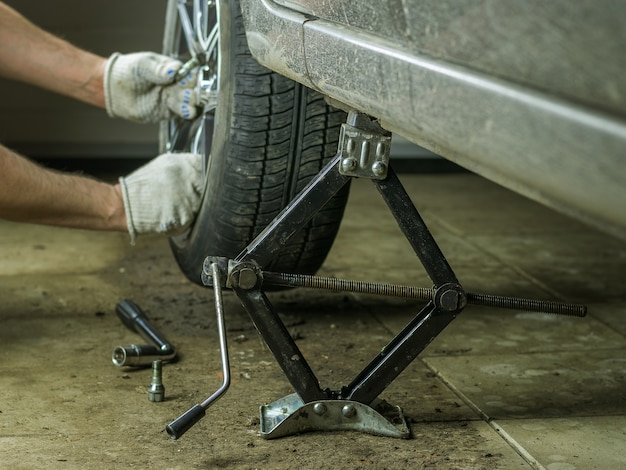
<point x="202" y="236"/>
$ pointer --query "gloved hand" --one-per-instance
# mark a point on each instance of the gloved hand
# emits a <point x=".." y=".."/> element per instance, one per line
<point x="164" y="195"/>
<point x="141" y="87"/>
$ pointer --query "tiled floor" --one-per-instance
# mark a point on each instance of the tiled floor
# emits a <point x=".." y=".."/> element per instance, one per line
<point x="497" y="389"/>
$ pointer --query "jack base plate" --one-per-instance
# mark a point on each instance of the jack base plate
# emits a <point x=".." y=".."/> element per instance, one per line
<point x="290" y="415"/>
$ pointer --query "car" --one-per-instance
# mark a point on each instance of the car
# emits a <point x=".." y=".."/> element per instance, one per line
<point x="528" y="94"/>
<point x="299" y="96"/>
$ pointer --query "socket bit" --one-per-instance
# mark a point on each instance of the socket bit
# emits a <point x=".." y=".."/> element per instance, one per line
<point x="156" y="390"/>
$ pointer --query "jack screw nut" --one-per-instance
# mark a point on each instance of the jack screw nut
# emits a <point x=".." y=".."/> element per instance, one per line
<point x="156" y="390"/>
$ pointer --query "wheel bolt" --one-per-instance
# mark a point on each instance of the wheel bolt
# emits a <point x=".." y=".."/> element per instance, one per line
<point x="156" y="390"/>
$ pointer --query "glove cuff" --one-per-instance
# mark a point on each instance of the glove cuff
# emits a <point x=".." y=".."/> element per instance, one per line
<point x="129" y="211"/>
<point x="108" y="70"/>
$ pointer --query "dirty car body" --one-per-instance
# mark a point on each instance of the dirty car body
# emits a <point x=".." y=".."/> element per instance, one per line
<point x="528" y="94"/>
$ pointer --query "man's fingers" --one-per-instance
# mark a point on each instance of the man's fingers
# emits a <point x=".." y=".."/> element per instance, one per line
<point x="158" y="69"/>
<point x="182" y="101"/>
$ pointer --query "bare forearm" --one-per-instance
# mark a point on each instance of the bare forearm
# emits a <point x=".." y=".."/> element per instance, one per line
<point x="31" y="55"/>
<point x="31" y="193"/>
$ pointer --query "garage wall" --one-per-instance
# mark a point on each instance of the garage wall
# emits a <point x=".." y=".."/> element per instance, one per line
<point x="40" y="123"/>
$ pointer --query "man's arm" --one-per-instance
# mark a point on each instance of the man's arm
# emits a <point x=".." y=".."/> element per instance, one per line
<point x="31" y="55"/>
<point x="30" y="193"/>
<point x="162" y="196"/>
<point x="140" y="87"/>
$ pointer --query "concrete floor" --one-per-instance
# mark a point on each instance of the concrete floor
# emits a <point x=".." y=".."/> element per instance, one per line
<point x="496" y="389"/>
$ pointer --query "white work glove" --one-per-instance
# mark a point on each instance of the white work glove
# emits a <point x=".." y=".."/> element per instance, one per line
<point x="164" y="195"/>
<point x="141" y="87"/>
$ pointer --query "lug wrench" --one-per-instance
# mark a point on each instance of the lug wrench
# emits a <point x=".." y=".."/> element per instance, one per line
<point x="181" y="425"/>
<point x="140" y="354"/>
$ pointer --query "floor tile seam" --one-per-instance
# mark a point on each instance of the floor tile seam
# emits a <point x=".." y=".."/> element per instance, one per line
<point x="373" y="314"/>
<point x="54" y="273"/>
<point x="26" y="435"/>
<point x="425" y="355"/>
<point x="606" y="324"/>
<point x="525" y="353"/>
<point x="510" y="440"/>
<point x="466" y="238"/>
<point x="516" y="446"/>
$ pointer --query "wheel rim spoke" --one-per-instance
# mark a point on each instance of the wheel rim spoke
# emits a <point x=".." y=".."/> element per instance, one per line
<point x="201" y="36"/>
<point x="187" y="29"/>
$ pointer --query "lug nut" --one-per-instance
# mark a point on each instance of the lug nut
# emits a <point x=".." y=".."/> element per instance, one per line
<point x="156" y="390"/>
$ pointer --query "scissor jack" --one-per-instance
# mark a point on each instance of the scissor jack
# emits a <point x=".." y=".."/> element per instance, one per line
<point x="363" y="152"/>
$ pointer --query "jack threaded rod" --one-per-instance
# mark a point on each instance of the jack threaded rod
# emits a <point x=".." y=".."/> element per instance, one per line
<point x="420" y="293"/>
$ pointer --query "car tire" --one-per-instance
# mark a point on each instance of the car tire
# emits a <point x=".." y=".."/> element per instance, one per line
<point x="266" y="137"/>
